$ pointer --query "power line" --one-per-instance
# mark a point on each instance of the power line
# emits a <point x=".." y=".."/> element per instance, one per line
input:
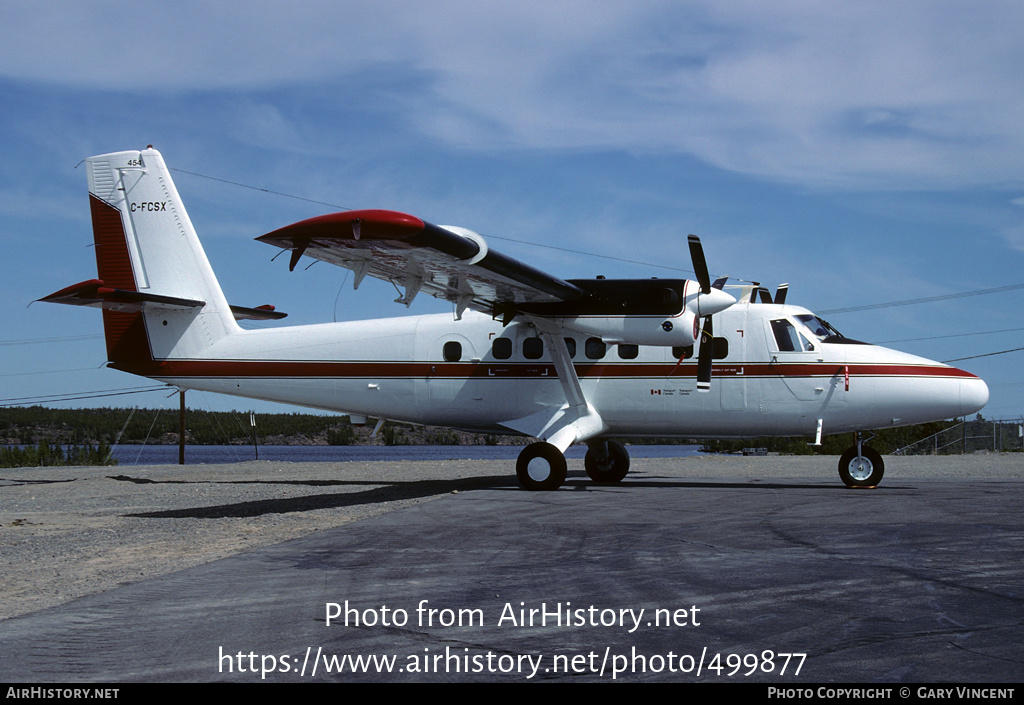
<point x="590" y="254"/>
<point x="61" y="339"/>
<point x="955" y="335"/>
<point x="493" y="237"/>
<point x="28" y="401"/>
<point x="264" y="190"/>
<point x="50" y="372"/>
<point x="925" y="300"/>
<point x="849" y="309"/>
<point x="974" y="357"/>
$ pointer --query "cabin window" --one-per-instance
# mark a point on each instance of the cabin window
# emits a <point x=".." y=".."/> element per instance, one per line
<point x="452" y="351"/>
<point x="501" y="348"/>
<point x="720" y="351"/>
<point x="787" y="338"/>
<point x="570" y="343"/>
<point x="682" y="353"/>
<point x="628" y="351"/>
<point x="595" y="348"/>
<point x="533" y="348"/>
<point x="719" y="347"/>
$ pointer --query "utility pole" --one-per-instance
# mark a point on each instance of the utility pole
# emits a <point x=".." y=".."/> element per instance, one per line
<point x="255" y="441"/>
<point x="181" y="427"/>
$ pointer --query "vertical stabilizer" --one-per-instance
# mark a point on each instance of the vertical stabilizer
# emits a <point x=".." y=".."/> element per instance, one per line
<point x="145" y="243"/>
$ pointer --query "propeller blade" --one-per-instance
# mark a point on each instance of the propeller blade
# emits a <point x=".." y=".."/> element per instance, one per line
<point x="753" y="292"/>
<point x="704" y="357"/>
<point x="700" y="265"/>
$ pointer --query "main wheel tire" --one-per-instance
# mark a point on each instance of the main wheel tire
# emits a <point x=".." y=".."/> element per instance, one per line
<point x="541" y="466"/>
<point x="865" y="470"/>
<point x="611" y="470"/>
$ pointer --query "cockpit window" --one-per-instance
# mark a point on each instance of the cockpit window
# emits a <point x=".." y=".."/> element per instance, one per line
<point x="820" y="328"/>
<point x="825" y="331"/>
<point x="787" y="338"/>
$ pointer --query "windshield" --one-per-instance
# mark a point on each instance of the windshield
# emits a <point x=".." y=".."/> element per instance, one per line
<point x="820" y="328"/>
<point x="787" y="339"/>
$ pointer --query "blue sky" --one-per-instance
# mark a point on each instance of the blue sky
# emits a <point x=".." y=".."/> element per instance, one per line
<point x="863" y="152"/>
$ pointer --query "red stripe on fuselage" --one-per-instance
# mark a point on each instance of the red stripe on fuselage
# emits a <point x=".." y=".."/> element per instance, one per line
<point x="281" y="369"/>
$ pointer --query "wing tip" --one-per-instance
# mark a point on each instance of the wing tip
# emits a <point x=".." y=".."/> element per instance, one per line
<point x="370" y="224"/>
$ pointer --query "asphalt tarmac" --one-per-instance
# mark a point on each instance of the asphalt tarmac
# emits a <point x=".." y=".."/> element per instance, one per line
<point x="710" y="570"/>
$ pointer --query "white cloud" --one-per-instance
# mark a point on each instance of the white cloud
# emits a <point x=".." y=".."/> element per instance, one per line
<point x="862" y="95"/>
<point x="1014" y="236"/>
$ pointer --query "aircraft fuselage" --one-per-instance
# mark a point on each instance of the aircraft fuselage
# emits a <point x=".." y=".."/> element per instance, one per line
<point x="476" y="374"/>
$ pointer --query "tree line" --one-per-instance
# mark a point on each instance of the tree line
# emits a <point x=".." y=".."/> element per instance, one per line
<point x="36" y="435"/>
<point x="27" y="427"/>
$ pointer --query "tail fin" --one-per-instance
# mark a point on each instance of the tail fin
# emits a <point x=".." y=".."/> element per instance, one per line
<point x="160" y="297"/>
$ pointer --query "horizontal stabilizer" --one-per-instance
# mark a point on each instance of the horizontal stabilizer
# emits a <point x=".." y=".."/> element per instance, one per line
<point x="260" y="313"/>
<point x="94" y="293"/>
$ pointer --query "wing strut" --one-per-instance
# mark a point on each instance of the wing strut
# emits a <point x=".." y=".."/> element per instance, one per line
<point x="577" y="419"/>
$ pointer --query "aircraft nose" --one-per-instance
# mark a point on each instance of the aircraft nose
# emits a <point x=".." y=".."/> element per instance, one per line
<point x="973" y="395"/>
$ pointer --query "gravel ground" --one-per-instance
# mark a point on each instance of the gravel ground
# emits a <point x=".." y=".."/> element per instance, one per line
<point x="69" y="532"/>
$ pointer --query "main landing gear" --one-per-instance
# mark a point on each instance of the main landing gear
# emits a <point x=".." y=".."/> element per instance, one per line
<point x="860" y="465"/>
<point x="606" y="462"/>
<point x="541" y="466"/>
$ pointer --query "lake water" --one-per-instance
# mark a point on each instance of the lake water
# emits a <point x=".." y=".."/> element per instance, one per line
<point x="161" y="455"/>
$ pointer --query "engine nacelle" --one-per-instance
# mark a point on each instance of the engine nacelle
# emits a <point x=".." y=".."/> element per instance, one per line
<point x="681" y="329"/>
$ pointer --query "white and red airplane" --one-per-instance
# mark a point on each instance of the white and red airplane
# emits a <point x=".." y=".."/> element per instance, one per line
<point x="563" y="361"/>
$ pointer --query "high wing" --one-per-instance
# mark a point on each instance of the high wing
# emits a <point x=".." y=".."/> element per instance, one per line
<point x="447" y="262"/>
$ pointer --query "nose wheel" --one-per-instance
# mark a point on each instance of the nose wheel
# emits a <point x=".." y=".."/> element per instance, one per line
<point x="861" y="467"/>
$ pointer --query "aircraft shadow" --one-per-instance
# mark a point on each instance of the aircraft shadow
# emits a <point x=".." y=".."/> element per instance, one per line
<point x="665" y="482"/>
<point x="377" y="492"/>
<point x="380" y="492"/>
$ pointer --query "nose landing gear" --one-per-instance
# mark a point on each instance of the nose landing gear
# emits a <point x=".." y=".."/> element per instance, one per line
<point x="861" y="465"/>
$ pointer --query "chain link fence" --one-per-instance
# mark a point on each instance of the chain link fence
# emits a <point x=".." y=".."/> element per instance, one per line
<point x="970" y="436"/>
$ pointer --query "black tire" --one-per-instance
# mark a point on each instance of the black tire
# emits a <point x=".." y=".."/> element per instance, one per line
<point x="612" y="470"/>
<point x="541" y="466"/>
<point x="863" y="471"/>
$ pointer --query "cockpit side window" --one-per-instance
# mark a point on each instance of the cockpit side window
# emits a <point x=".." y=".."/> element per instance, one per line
<point x="787" y="338"/>
<point x="815" y="325"/>
<point x="825" y="331"/>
